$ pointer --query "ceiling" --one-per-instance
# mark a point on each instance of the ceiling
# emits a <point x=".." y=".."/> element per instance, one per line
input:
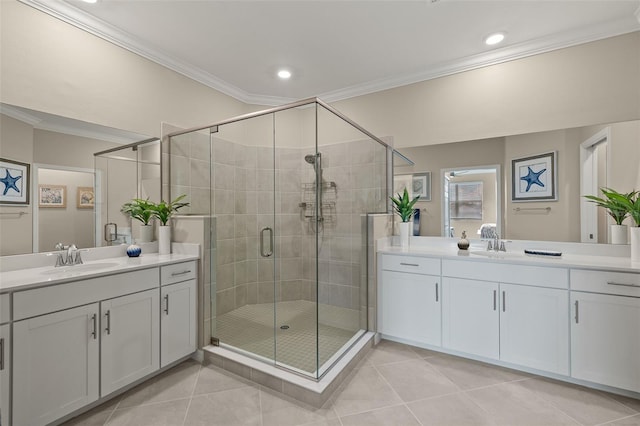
<point x="338" y="49"/>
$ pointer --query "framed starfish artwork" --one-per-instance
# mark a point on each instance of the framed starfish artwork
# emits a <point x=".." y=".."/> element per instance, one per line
<point x="14" y="182"/>
<point x="535" y="178"/>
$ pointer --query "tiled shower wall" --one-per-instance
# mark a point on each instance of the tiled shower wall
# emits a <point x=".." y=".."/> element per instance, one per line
<point x="242" y="200"/>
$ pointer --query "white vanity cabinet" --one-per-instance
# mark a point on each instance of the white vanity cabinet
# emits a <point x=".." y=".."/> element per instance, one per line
<point x="605" y="341"/>
<point x="5" y="371"/>
<point x="130" y="336"/>
<point x="470" y="318"/>
<point x="178" y="312"/>
<point x="410" y="300"/>
<point x="514" y="313"/>
<point x="78" y="341"/>
<point x="533" y="327"/>
<point x="55" y="364"/>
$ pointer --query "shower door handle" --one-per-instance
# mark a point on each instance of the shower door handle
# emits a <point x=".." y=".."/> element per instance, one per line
<point x="262" y="252"/>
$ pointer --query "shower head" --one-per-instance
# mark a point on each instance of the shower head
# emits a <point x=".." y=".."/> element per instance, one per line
<point x="310" y="158"/>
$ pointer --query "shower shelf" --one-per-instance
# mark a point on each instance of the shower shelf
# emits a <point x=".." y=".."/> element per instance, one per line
<point x="325" y="185"/>
<point x="329" y="194"/>
<point x="328" y="211"/>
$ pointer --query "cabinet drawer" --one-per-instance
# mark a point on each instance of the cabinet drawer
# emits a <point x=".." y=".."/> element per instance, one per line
<point x="44" y="300"/>
<point x="622" y="283"/>
<point x="507" y="273"/>
<point x="178" y="272"/>
<point x="5" y="308"/>
<point x="416" y="265"/>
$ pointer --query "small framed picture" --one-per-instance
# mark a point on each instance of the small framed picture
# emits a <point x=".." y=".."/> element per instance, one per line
<point x="52" y="196"/>
<point x="534" y="178"/>
<point x="421" y="184"/>
<point x="402" y="182"/>
<point x="14" y="182"/>
<point x="85" y="197"/>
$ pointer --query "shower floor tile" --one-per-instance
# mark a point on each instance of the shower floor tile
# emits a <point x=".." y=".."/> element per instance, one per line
<point x="250" y="328"/>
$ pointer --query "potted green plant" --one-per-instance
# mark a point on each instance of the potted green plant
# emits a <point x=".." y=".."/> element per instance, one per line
<point x="403" y="205"/>
<point x="615" y="204"/>
<point x="141" y="210"/>
<point x="163" y="212"/>
<point x="631" y="203"/>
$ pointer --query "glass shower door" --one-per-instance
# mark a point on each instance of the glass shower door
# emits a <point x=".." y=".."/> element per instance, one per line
<point x="243" y="253"/>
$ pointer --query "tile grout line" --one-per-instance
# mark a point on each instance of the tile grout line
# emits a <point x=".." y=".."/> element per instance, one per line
<point x="193" y="390"/>
<point x="617" y="420"/>
<point x="260" y="405"/>
<point x="397" y="394"/>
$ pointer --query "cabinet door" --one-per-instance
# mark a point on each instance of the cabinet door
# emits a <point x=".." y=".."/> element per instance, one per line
<point x="5" y="363"/>
<point x="410" y="307"/>
<point x="178" y="321"/>
<point x="605" y="342"/>
<point x="534" y="330"/>
<point x="130" y="339"/>
<point x="55" y="365"/>
<point x="470" y="319"/>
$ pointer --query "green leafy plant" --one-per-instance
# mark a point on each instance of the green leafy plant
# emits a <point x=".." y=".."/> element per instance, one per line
<point x="631" y="204"/>
<point x="163" y="210"/>
<point x="618" y="205"/>
<point x="404" y="206"/>
<point x="139" y="209"/>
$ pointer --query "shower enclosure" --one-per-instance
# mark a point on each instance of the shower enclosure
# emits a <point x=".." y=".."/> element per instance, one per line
<point x="288" y="191"/>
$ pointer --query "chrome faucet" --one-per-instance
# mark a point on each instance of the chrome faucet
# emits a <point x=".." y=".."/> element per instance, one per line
<point x="496" y="244"/>
<point x="73" y="255"/>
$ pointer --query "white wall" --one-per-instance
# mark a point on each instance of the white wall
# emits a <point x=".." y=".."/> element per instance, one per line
<point x="48" y="65"/>
<point x="597" y="82"/>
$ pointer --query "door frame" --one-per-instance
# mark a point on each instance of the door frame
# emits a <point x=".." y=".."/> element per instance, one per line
<point x="589" y="183"/>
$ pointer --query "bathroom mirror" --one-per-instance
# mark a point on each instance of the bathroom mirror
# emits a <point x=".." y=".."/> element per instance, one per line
<point x="62" y="187"/>
<point x="617" y="145"/>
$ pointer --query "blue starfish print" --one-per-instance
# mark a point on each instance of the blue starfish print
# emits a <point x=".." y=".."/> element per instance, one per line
<point x="10" y="182"/>
<point x="533" y="178"/>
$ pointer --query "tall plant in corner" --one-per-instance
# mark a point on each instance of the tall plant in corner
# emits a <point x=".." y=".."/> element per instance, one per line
<point x="403" y="205"/>
<point x="631" y="203"/>
<point x="616" y="208"/>
<point x="163" y="211"/>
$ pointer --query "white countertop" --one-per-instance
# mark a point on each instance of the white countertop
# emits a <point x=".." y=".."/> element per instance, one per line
<point x="23" y="279"/>
<point x="611" y="258"/>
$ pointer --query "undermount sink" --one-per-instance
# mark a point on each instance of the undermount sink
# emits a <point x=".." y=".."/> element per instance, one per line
<point x="86" y="267"/>
<point x="498" y="254"/>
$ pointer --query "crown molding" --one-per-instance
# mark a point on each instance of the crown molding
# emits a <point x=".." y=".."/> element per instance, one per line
<point x="68" y="126"/>
<point x="493" y="57"/>
<point x="99" y="28"/>
<point x="19" y="115"/>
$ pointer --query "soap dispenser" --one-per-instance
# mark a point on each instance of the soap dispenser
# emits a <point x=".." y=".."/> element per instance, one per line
<point x="463" y="244"/>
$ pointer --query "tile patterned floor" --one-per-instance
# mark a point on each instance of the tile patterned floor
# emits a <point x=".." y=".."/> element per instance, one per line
<point x="395" y="385"/>
<point x="251" y="328"/>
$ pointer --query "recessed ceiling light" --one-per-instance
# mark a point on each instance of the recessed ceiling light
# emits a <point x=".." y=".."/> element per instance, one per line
<point x="494" y="38"/>
<point x="90" y="1"/>
<point x="284" y="74"/>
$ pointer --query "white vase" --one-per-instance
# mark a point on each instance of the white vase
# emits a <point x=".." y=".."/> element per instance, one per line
<point x="405" y="228"/>
<point x="164" y="239"/>
<point x="635" y="244"/>
<point x="146" y="234"/>
<point x="619" y="234"/>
